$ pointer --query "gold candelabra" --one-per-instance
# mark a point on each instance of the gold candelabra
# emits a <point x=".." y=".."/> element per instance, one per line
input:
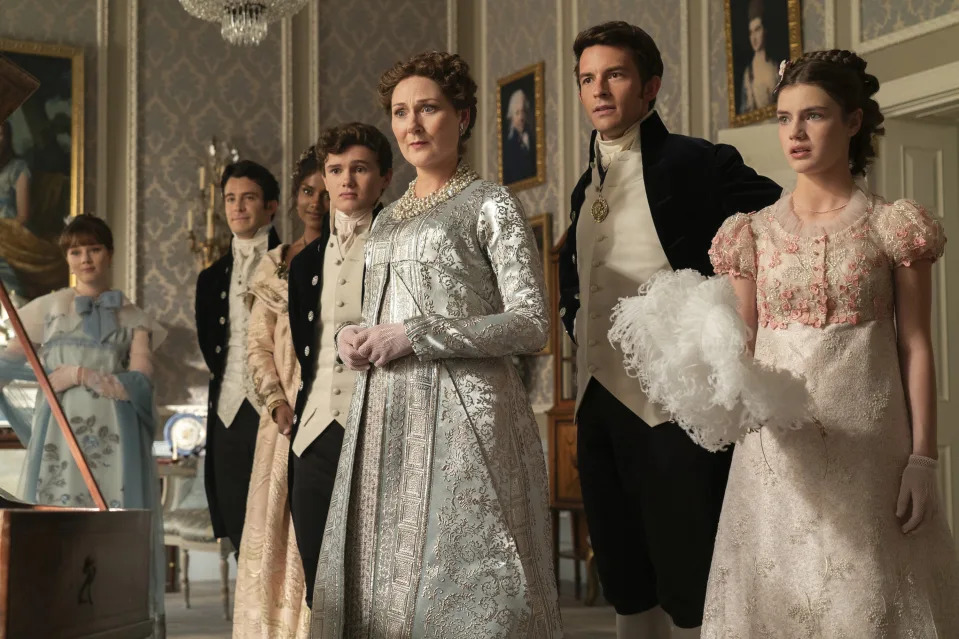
<point x="215" y="240"/>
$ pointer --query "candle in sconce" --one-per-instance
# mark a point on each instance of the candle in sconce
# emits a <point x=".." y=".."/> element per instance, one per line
<point x="202" y="178"/>
<point x="209" y="224"/>
<point x="189" y="220"/>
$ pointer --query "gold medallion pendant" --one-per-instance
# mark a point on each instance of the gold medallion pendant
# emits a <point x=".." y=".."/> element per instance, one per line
<point x="600" y="209"/>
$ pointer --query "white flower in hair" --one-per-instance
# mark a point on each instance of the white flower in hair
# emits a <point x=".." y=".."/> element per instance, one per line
<point x="782" y="68"/>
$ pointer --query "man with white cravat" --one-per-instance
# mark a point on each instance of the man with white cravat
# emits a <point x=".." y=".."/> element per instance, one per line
<point x="650" y="200"/>
<point x="326" y="291"/>
<point x="251" y="195"/>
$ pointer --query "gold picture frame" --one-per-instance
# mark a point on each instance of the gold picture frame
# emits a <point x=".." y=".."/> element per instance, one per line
<point x="542" y="226"/>
<point x="520" y="159"/>
<point x="780" y="36"/>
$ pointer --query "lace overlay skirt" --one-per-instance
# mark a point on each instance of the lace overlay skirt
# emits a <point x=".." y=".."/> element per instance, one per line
<point x="808" y="543"/>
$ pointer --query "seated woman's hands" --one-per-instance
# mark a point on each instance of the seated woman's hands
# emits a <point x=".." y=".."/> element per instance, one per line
<point x="380" y="345"/>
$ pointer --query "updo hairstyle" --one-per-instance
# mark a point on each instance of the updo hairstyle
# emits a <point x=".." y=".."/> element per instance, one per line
<point x="448" y="70"/>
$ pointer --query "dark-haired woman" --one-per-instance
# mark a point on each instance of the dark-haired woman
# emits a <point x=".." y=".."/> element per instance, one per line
<point x="439" y="521"/>
<point x="832" y="530"/>
<point x="97" y="348"/>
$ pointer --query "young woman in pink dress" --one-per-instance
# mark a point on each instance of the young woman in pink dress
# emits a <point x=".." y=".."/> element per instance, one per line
<point x="831" y="530"/>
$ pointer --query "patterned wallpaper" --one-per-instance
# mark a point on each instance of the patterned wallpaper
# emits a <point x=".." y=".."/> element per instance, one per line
<point x="74" y="23"/>
<point x="352" y="60"/>
<point x="189" y="92"/>
<point x="881" y="17"/>
<point x="813" y="36"/>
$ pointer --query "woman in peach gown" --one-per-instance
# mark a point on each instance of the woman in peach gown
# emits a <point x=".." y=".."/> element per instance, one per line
<point x="270" y="584"/>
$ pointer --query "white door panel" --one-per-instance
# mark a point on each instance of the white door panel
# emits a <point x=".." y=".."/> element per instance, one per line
<point x="920" y="161"/>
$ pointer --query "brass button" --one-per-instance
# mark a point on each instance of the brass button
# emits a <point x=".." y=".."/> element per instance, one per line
<point x="342" y="281"/>
<point x="341" y="303"/>
<point x="335" y="413"/>
<point x="336" y="391"/>
<point x="338" y="369"/>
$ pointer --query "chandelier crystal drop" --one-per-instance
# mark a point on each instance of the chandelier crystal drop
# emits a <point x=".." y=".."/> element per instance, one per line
<point x="243" y="22"/>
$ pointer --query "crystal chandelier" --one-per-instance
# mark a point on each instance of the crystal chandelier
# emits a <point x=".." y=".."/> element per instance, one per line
<point x="243" y="22"/>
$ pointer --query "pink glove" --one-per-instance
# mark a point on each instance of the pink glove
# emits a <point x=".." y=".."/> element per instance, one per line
<point x="346" y="348"/>
<point x="63" y="378"/>
<point x="384" y="343"/>
<point x="918" y="488"/>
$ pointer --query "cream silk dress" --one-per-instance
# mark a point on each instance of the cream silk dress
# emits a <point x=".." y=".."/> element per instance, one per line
<point x="439" y="522"/>
<point x="808" y="543"/>
<point x="270" y="589"/>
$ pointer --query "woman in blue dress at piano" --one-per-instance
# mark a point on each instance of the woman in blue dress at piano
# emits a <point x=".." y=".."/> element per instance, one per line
<point x="97" y="348"/>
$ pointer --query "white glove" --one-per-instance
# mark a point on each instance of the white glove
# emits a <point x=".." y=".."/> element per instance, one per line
<point x="346" y="348"/>
<point x="919" y="489"/>
<point x="64" y="378"/>
<point x="381" y="344"/>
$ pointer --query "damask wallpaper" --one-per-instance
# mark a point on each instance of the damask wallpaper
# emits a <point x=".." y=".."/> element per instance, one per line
<point x="189" y="91"/>
<point x="881" y="17"/>
<point x="74" y="23"/>
<point x="358" y="42"/>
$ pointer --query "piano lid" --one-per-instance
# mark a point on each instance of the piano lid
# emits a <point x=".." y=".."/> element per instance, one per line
<point x="16" y="85"/>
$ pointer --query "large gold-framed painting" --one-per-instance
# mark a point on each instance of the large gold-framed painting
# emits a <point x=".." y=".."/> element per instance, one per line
<point x="41" y="168"/>
<point x="521" y="128"/>
<point x="760" y="34"/>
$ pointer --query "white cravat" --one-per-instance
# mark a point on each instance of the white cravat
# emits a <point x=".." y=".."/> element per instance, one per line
<point x="609" y="149"/>
<point x="346" y="226"/>
<point x="236" y="386"/>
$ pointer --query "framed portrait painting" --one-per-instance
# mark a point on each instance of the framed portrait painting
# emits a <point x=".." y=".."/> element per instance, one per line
<point x="41" y="168"/>
<point x="521" y="124"/>
<point x="760" y="34"/>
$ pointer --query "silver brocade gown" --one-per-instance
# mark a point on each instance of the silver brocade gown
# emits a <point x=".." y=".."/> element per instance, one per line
<point x="439" y="522"/>
<point x="808" y="543"/>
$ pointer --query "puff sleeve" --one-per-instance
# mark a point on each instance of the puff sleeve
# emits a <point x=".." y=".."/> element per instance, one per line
<point x="909" y="233"/>
<point x="733" y="249"/>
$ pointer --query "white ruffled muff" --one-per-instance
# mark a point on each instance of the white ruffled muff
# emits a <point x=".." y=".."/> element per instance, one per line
<point x="685" y="342"/>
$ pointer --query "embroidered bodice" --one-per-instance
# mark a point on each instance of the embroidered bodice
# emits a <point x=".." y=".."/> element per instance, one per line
<point x="839" y="272"/>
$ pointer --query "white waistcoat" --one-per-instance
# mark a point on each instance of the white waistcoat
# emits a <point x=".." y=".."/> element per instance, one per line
<point x="613" y="259"/>
<point x="340" y="301"/>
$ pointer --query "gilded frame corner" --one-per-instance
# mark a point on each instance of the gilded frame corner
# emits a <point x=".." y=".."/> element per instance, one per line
<point x="794" y="17"/>
<point x="539" y="115"/>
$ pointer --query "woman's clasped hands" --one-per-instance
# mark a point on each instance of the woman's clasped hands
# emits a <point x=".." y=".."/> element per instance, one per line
<point x="358" y="347"/>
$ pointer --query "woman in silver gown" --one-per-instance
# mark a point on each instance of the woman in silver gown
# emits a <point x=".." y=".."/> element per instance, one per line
<point x="439" y="522"/>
